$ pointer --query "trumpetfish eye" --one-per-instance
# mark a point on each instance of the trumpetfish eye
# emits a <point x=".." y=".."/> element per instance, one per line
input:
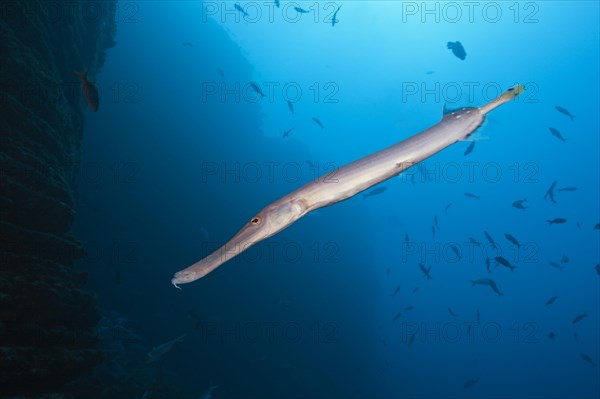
<point x="256" y="220"/>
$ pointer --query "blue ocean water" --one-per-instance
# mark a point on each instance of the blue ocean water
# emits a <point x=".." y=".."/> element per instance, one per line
<point x="183" y="152"/>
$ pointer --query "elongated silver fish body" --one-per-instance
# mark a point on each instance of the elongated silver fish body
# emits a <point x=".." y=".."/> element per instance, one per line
<point x="346" y="182"/>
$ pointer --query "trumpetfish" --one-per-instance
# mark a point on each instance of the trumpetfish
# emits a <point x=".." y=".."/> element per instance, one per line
<point x="347" y="181"/>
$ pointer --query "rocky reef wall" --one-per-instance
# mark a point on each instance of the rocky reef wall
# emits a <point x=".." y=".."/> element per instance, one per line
<point x="46" y="319"/>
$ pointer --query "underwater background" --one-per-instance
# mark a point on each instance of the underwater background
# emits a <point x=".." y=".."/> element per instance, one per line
<point x="183" y="151"/>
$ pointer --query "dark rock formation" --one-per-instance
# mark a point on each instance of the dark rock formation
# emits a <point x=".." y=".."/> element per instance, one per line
<point x="46" y="320"/>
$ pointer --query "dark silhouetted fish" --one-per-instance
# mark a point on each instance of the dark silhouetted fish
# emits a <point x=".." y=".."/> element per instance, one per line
<point x="551" y="335"/>
<point x="291" y="106"/>
<point x="588" y="359"/>
<point x="550" y="192"/>
<point x="456" y="251"/>
<point x="578" y="318"/>
<point x="334" y="19"/>
<point x="158" y="351"/>
<point x="429" y="72"/>
<point x="519" y="204"/>
<point x="490" y="239"/>
<point x="396" y="291"/>
<point x="556" y="265"/>
<point x="277" y="3"/>
<point x="564" y="111"/>
<point x="568" y="189"/>
<point x="187" y="44"/>
<point x="425" y="271"/>
<point x="257" y="89"/>
<point x="414" y="291"/>
<point x="598" y="269"/>
<point x="435" y="222"/>
<point x="470" y="148"/>
<point x="447" y="207"/>
<point x="301" y="10"/>
<point x="502" y="261"/>
<point x="452" y="312"/>
<point x="375" y="191"/>
<point x="512" y="239"/>
<point x="457" y="49"/>
<point x="221" y="74"/>
<point x="287" y="132"/>
<point x="318" y="122"/>
<point x="409" y="308"/>
<point x="576" y="337"/>
<point x="551" y="300"/>
<point x="564" y="259"/>
<point x="557" y="221"/>
<point x="397" y="316"/>
<point x="470" y="195"/>
<point x="557" y="134"/>
<point x="488" y="264"/>
<point x="412" y="339"/>
<point x="388" y="271"/>
<point x="489" y="282"/>
<point x="238" y="7"/>
<point x="406" y="238"/>
<point x="597" y="226"/>
<point x="469" y="383"/>
<point x="90" y="92"/>
<point x="578" y="225"/>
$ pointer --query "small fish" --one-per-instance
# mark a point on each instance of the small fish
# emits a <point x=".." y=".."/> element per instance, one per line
<point x="414" y="291"/>
<point x="407" y="239"/>
<point x="551" y="335"/>
<point x="334" y="19"/>
<point x="564" y="259"/>
<point x="550" y="192"/>
<point x="556" y="221"/>
<point x="238" y="7"/>
<point x="578" y="318"/>
<point x="578" y="225"/>
<point x="519" y="204"/>
<point x="396" y="291"/>
<point x="474" y="241"/>
<point x="470" y="195"/>
<point x="429" y="72"/>
<point x="301" y="10"/>
<point x="287" y="132"/>
<point x="257" y="89"/>
<point x="318" y="122"/>
<point x="598" y="269"/>
<point x="90" y="92"/>
<point x="557" y="134"/>
<point x="425" y="271"/>
<point x="556" y="265"/>
<point x="375" y="191"/>
<point x="447" y="207"/>
<point x="435" y="222"/>
<point x="409" y="308"/>
<point x="568" y="189"/>
<point x="489" y="282"/>
<point x="502" y="261"/>
<point x="187" y="44"/>
<point x="221" y="74"/>
<point x="291" y="107"/>
<point x="551" y="300"/>
<point x="457" y="49"/>
<point x="456" y="251"/>
<point x="469" y="383"/>
<point x="277" y="3"/>
<point x="452" y="312"/>
<point x="564" y="112"/>
<point x="470" y="148"/>
<point x="490" y="239"/>
<point x="512" y="239"/>
<point x="412" y="339"/>
<point x="397" y="316"/>
<point x="597" y="226"/>
<point x="588" y="359"/>
<point x="158" y="351"/>
<point x="576" y="337"/>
